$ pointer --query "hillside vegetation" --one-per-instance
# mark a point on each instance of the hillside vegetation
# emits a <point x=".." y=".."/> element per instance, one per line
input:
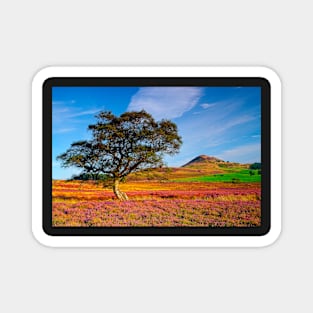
<point x="205" y="192"/>
<point x="202" y="169"/>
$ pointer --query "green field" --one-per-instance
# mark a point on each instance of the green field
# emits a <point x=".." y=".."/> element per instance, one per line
<point x="235" y="176"/>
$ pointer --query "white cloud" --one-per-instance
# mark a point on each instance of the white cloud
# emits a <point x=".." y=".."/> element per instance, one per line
<point x="204" y="127"/>
<point x="237" y="121"/>
<point x="165" y="102"/>
<point x="63" y="102"/>
<point x="207" y="105"/>
<point x="63" y="130"/>
<point x="60" y="110"/>
<point x="244" y="154"/>
<point x="87" y="112"/>
<point x="65" y="116"/>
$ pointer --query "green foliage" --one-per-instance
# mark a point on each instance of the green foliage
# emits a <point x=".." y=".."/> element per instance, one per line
<point x="123" y="144"/>
<point x="255" y="166"/>
<point x="82" y="155"/>
<point x="89" y="176"/>
<point x="235" y="180"/>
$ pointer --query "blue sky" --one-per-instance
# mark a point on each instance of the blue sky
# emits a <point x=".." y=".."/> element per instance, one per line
<point x="224" y="122"/>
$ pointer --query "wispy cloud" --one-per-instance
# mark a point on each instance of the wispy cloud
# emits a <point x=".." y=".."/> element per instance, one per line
<point x="87" y="112"/>
<point x="210" y="130"/>
<point x="165" y="102"/>
<point x="203" y="126"/>
<point x="208" y="105"/>
<point x="63" y="102"/>
<point x="63" y="130"/>
<point x="67" y="115"/>
<point x="60" y="110"/>
<point x="235" y="122"/>
<point x="245" y="154"/>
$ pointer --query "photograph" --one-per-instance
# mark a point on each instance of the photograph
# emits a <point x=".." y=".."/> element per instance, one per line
<point x="156" y="156"/>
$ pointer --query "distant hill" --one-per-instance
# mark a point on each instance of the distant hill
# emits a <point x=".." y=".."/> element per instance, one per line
<point x="202" y="165"/>
<point x="203" y="159"/>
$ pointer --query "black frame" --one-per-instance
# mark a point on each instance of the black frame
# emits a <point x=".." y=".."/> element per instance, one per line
<point x="159" y="81"/>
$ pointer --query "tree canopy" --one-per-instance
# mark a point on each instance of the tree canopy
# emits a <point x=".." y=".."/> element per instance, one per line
<point x="123" y="144"/>
<point x="255" y="166"/>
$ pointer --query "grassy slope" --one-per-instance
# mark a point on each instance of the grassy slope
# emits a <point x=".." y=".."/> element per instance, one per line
<point x="200" y="172"/>
<point x="233" y="176"/>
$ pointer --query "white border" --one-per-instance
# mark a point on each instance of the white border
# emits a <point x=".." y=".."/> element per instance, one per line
<point x="156" y="241"/>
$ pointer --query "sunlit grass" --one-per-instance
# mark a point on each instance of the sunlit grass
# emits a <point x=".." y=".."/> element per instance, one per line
<point x="230" y="176"/>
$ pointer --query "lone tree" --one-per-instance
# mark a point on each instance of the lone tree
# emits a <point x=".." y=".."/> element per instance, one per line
<point x="122" y="145"/>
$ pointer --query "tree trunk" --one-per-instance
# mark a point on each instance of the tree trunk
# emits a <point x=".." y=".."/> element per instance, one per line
<point x="118" y="193"/>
